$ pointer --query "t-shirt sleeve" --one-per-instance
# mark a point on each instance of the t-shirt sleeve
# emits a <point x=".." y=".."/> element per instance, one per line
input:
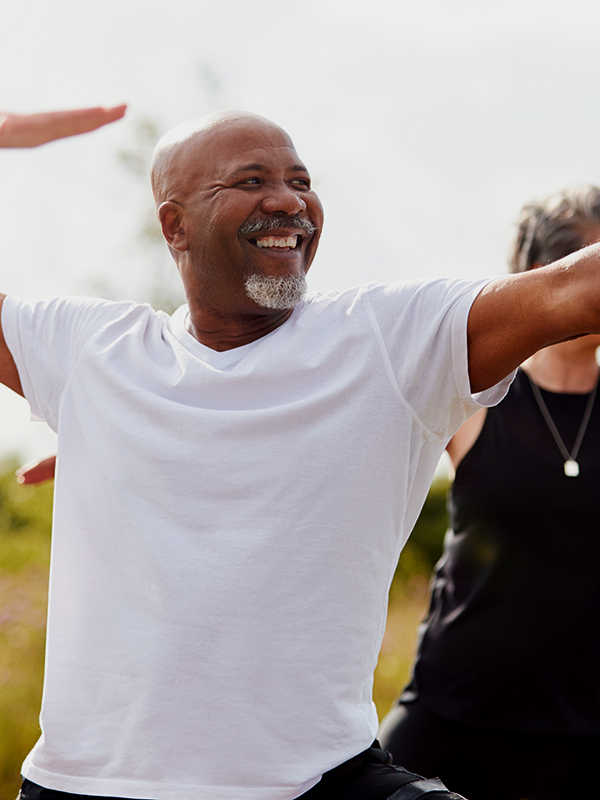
<point x="423" y="330"/>
<point x="46" y="338"/>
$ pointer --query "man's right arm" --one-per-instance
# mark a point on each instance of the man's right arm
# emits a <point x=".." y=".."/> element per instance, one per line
<point x="9" y="374"/>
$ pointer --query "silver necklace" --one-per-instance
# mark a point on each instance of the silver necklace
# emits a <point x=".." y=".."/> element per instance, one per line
<point x="571" y="465"/>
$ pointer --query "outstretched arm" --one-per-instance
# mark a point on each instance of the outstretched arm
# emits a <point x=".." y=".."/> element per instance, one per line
<point x="518" y="315"/>
<point x="31" y="130"/>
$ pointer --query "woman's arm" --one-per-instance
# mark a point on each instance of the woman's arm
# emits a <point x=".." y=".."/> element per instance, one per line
<point x="465" y="437"/>
<point x="31" y="130"/>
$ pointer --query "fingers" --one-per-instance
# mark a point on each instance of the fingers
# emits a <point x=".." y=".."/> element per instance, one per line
<point x="37" y="473"/>
<point x="31" y="130"/>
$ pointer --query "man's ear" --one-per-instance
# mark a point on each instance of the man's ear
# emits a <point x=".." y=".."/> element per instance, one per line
<point x="169" y="214"/>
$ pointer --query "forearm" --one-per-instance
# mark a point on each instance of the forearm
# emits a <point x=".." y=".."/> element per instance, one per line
<point x="517" y="315"/>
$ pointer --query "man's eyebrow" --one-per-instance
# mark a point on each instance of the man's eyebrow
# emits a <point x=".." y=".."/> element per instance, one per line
<point x="263" y="168"/>
<point x="249" y="168"/>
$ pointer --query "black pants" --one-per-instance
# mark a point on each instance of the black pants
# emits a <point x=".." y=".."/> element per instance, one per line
<point x="493" y="765"/>
<point x="367" y="776"/>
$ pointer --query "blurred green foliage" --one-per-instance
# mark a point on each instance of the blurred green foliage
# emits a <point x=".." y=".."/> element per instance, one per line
<point x="25" y="522"/>
<point x="424" y="546"/>
<point x="409" y="598"/>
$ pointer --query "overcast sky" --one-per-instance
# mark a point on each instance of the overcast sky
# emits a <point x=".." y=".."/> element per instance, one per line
<point x="425" y="126"/>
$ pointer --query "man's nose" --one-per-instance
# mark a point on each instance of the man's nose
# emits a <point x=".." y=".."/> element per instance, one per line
<point x="283" y="199"/>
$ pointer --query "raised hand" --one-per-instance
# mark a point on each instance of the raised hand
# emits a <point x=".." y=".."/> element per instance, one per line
<point x="37" y="473"/>
<point x="31" y="130"/>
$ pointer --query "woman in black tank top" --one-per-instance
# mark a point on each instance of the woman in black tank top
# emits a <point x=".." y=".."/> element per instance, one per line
<point x="504" y="701"/>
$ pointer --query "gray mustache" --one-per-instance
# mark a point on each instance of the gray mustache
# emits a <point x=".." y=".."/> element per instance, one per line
<point x="273" y="223"/>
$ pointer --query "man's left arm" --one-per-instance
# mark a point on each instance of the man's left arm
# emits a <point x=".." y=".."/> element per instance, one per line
<point x="517" y="315"/>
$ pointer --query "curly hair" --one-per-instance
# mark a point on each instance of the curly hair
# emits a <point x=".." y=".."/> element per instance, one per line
<point x="553" y="228"/>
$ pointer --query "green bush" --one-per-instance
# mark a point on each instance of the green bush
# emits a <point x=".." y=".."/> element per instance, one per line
<point x="425" y="544"/>
<point x="409" y="597"/>
<point x="25" y="520"/>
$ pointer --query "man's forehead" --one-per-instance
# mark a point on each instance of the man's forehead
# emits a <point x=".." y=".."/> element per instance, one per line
<point x="240" y="146"/>
<point x="217" y="147"/>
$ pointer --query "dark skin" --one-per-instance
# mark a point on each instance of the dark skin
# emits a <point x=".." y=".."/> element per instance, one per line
<point x="243" y="170"/>
<point x="517" y="315"/>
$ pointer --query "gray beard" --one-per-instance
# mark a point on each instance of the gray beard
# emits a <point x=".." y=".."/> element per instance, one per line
<point x="278" y="293"/>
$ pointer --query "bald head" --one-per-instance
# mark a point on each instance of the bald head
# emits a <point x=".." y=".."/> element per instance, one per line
<point x="186" y="150"/>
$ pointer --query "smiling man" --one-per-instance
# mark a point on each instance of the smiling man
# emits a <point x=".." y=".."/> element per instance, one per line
<point x="235" y="483"/>
<point x="241" y="221"/>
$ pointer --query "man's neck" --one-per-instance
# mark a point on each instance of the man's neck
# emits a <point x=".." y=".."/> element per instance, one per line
<point x="221" y="332"/>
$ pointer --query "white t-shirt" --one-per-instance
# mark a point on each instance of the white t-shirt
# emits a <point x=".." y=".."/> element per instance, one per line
<point x="226" y="528"/>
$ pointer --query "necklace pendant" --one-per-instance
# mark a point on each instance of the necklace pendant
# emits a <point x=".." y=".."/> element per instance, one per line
<point x="571" y="468"/>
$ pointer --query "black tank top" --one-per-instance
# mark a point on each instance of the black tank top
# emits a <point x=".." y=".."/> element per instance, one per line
<point x="512" y="638"/>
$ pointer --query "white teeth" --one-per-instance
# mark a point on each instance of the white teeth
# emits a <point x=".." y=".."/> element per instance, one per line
<point x="270" y="241"/>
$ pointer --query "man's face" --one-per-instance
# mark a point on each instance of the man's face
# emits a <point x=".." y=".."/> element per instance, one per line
<point x="248" y="205"/>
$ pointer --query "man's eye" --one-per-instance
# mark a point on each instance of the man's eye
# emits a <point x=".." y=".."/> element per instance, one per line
<point x="251" y="181"/>
<point x="303" y="182"/>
